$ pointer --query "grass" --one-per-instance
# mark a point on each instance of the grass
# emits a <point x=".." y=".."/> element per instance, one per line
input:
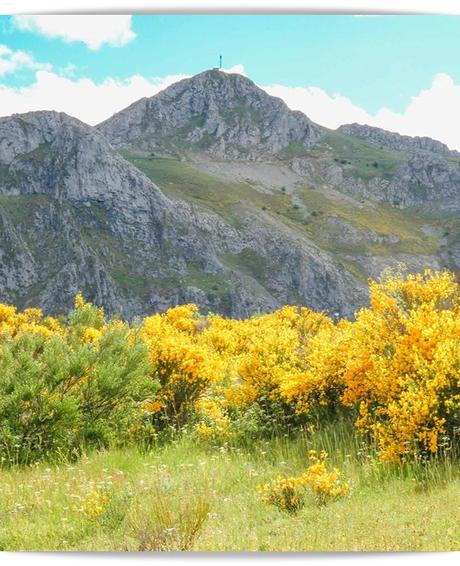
<point x="191" y="496"/>
<point x="37" y="155"/>
<point x="247" y="262"/>
<point x="360" y="158"/>
<point x="22" y="207"/>
<point x="181" y="180"/>
<point x="382" y="219"/>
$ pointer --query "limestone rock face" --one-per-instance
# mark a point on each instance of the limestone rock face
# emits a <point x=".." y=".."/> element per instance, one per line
<point x="77" y="216"/>
<point x="216" y="193"/>
<point x="213" y="113"/>
<point x="397" y="142"/>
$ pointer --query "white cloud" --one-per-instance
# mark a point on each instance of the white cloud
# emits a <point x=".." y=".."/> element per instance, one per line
<point x="93" y="30"/>
<point x="433" y="112"/>
<point x="327" y="110"/>
<point x="235" y="69"/>
<point x="81" y="98"/>
<point x="11" y="61"/>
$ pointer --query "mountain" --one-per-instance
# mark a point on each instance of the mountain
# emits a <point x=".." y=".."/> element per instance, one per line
<point x="397" y="142"/>
<point x="75" y="215"/>
<point x="213" y="113"/>
<point x="216" y="193"/>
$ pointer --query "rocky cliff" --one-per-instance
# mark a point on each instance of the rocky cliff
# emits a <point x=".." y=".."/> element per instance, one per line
<point x="214" y="192"/>
<point x="225" y="116"/>
<point x="398" y="142"/>
<point x="76" y="216"/>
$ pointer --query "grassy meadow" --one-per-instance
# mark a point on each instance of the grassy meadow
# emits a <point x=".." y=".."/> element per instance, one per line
<point x="286" y="431"/>
<point x="187" y="496"/>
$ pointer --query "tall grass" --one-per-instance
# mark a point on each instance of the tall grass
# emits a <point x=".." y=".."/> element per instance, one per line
<point x="162" y="521"/>
<point x="190" y="496"/>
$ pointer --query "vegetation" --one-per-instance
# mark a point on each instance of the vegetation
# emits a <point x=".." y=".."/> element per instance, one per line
<point x="313" y="210"/>
<point x="157" y="435"/>
<point x="360" y="158"/>
<point x="156" y="500"/>
<point x="181" y="180"/>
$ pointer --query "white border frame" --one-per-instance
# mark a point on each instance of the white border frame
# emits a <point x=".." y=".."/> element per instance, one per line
<point x="365" y="7"/>
<point x="369" y="7"/>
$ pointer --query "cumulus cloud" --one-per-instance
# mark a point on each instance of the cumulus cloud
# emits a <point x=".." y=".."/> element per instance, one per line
<point x="92" y="30"/>
<point x="82" y="98"/>
<point x="11" y="61"/>
<point x="432" y="112"/>
<point x="328" y="110"/>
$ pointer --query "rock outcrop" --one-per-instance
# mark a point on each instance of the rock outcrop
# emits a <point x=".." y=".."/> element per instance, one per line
<point x="75" y="215"/>
<point x="216" y="193"/>
<point x="225" y="116"/>
<point x="397" y="142"/>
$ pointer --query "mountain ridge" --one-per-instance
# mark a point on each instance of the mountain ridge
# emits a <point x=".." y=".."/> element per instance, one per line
<point x="215" y="113"/>
<point x="394" y="140"/>
<point x="272" y="209"/>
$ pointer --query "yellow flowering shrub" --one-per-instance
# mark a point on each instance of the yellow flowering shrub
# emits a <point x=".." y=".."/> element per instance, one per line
<point x="288" y="493"/>
<point x="214" y="423"/>
<point x="406" y="384"/>
<point x="396" y="366"/>
<point x="29" y="320"/>
<point x="324" y="483"/>
<point x="266" y="353"/>
<point x="394" y="369"/>
<point x="181" y="363"/>
<point x="94" y="504"/>
<point x="317" y="387"/>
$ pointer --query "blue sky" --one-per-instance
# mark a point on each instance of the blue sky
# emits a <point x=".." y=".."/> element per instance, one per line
<point x="375" y="63"/>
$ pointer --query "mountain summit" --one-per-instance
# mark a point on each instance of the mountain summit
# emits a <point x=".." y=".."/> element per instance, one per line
<point x="225" y="116"/>
<point x="214" y="192"/>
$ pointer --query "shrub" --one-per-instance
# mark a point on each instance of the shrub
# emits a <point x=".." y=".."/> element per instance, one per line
<point x="289" y="493"/>
<point x="285" y="493"/>
<point x="69" y="389"/>
<point x="402" y="368"/>
<point x="395" y="367"/>
<point x="162" y="522"/>
<point x="85" y="381"/>
<point x="182" y="365"/>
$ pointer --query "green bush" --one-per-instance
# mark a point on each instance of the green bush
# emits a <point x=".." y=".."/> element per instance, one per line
<point x="60" y="395"/>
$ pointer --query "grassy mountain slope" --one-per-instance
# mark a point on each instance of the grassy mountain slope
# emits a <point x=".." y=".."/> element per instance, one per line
<point x="314" y="210"/>
<point x="214" y="192"/>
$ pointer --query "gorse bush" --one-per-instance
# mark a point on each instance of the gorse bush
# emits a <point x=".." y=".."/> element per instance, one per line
<point x="289" y="493"/>
<point x="85" y="381"/>
<point x="182" y="364"/>
<point x="396" y="366"/>
<point x="64" y="389"/>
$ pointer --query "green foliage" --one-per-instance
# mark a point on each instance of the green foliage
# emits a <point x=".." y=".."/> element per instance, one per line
<point x="63" y="394"/>
<point x="361" y="158"/>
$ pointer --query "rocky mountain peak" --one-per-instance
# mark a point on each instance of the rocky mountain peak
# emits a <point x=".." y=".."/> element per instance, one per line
<point x="137" y="233"/>
<point x="225" y="116"/>
<point x="21" y="134"/>
<point x="53" y="154"/>
<point x="397" y="142"/>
